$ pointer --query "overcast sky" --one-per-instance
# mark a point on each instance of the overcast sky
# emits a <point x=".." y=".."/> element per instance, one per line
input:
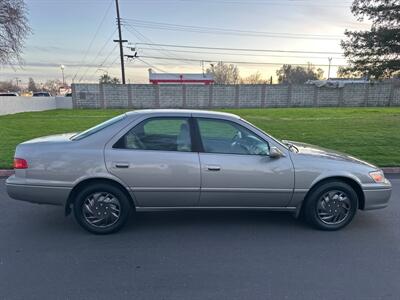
<point x="79" y="34"/>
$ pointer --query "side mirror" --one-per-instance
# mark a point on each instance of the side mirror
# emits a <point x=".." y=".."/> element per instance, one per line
<point x="274" y="152"/>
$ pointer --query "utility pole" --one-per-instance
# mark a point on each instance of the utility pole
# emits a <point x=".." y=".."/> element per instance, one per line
<point x="329" y="68"/>
<point x="62" y="71"/>
<point x="120" y="41"/>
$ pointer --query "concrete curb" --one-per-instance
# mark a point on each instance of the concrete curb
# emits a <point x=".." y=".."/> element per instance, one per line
<point x="388" y="170"/>
<point x="391" y="170"/>
<point x="6" y="173"/>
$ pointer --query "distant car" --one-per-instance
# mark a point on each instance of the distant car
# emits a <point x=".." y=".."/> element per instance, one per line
<point x="152" y="160"/>
<point x="41" y="94"/>
<point x="8" y="94"/>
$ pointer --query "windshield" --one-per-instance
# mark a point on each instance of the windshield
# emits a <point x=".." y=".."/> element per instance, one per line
<point x="97" y="128"/>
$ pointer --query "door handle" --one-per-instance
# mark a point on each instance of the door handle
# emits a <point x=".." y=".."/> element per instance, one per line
<point x="213" y="168"/>
<point x="122" y="165"/>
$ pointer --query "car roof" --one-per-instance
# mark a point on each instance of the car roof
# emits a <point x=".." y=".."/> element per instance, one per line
<point x="181" y="112"/>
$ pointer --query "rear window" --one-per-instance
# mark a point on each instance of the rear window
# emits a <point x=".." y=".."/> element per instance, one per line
<point x="97" y="128"/>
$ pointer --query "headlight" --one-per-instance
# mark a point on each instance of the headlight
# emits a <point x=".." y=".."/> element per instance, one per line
<point x="377" y="176"/>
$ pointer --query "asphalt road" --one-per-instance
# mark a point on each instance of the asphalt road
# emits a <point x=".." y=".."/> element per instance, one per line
<point x="198" y="255"/>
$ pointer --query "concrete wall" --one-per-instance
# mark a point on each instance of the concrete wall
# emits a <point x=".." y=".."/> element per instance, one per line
<point x="12" y="105"/>
<point x="233" y="96"/>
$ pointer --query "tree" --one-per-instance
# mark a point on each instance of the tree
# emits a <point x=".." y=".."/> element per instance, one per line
<point x="106" y="79"/>
<point x="52" y="86"/>
<point x="254" y="78"/>
<point x="32" y="85"/>
<point x="14" y="29"/>
<point x="8" y="86"/>
<point x="375" y="53"/>
<point x="224" y="73"/>
<point x="346" y="72"/>
<point x="297" y="74"/>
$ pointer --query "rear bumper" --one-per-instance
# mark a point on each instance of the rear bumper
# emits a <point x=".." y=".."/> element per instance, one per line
<point x="54" y="195"/>
<point x="377" y="196"/>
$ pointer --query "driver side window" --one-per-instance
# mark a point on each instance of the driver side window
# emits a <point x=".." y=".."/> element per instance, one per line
<point x="221" y="136"/>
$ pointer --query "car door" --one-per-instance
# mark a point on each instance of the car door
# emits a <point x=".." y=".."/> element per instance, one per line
<point x="156" y="161"/>
<point x="236" y="169"/>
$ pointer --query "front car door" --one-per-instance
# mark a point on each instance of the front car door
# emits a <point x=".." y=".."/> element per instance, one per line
<point x="155" y="159"/>
<point x="236" y="170"/>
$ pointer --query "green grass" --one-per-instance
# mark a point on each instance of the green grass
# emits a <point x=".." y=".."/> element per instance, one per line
<point x="372" y="134"/>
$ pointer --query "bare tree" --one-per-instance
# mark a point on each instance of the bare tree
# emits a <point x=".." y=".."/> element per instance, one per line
<point x="224" y="73"/>
<point x="53" y="86"/>
<point x="8" y="86"/>
<point x="14" y="29"/>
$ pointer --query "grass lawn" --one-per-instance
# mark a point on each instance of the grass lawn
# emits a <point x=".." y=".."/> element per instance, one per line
<point x="372" y="134"/>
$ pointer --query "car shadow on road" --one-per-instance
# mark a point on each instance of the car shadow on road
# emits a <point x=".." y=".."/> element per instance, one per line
<point x="211" y="219"/>
<point x="50" y="220"/>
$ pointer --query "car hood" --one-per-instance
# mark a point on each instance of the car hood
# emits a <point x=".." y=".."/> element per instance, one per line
<point x="51" y="138"/>
<point x="312" y="150"/>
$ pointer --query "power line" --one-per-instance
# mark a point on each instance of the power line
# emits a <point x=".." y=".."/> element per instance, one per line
<point x="237" y="62"/>
<point x="152" y="66"/>
<point x="105" y="60"/>
<point x="94" y="37"/>
<point x="98" y="54"/>
<point x="312" y="3"/>
<point x="239" y="49"/>
<point x="226" y="31"/>
<point x="142" y="37"/>
<point x="242" y="54"/>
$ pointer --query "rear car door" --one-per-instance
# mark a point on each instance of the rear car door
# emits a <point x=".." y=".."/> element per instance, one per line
<point x="236" y="170"/>
<point x="156" y="161"/>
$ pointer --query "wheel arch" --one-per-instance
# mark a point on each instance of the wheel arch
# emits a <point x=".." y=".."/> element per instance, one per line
<point x="350" y="181"/>
<point x="88" y="181"/>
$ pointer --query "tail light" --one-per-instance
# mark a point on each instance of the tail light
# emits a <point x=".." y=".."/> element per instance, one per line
<point x="20" y="163"/>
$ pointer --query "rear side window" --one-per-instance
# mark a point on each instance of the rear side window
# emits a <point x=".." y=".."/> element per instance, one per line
<point x="162" y="134"/>
<point x="97" y="128"/>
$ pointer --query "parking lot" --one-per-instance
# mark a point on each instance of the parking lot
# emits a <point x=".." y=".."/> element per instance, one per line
<point x="198" y="255"/>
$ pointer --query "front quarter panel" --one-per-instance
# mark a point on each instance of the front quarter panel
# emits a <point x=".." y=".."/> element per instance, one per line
<point x="309" y="170"/>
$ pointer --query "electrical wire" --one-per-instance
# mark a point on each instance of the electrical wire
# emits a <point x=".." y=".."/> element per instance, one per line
<point x="93" y="38"/>
<point x="237" y="62"/>
<point x="239" y="49"/>
<point x="241" y="54"/>
<point x="225" y="31"/>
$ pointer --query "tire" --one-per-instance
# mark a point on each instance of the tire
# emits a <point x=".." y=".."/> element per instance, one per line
<point x="331" y="206"/>
<point x="102" y="208"/>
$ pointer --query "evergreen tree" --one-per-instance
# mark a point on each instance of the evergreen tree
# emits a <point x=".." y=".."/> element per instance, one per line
<point x="375" y="53"/>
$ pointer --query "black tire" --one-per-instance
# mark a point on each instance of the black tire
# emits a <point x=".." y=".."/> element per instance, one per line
<point x="315" y="208"/>
<point x="117" y="201"/>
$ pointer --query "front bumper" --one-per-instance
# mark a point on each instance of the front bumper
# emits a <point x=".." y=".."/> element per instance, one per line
<point x="376" y="195"/>
<point x="54" y="195"/>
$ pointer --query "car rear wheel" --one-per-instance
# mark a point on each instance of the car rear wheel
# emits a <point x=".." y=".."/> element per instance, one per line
<point x="102" y="208"/>
<point x="331" y="206"/>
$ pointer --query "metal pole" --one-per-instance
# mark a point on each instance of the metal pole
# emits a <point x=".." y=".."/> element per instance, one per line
<point x="62" y="71"/>
<point x="329" y="68"/>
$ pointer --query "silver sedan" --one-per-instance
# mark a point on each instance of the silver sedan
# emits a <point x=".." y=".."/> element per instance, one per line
<point x="184" y="160"/>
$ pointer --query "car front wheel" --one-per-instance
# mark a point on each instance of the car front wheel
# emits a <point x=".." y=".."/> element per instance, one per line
<point x="102" y="208"/>
<point x="331" y="206"/>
